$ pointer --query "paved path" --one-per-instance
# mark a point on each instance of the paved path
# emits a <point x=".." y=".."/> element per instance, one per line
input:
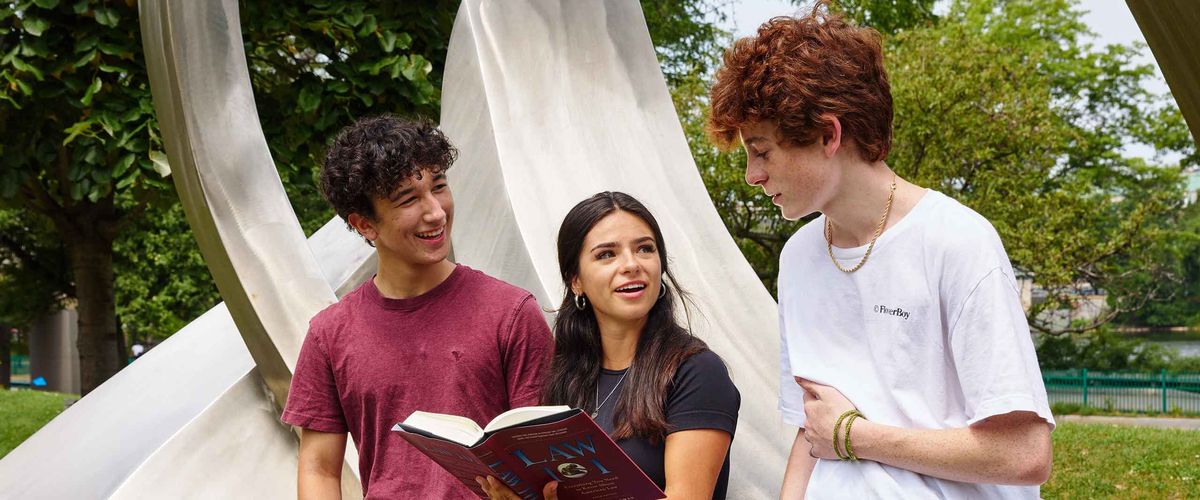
<point x="1159" y="422"/>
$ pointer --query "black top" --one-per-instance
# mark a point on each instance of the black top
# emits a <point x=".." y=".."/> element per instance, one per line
<point x="702" y="397"/>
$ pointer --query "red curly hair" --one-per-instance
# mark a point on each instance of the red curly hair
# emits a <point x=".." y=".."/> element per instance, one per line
<point x="794" y="71"/>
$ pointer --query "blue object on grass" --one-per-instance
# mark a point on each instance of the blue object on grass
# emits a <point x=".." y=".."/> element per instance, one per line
<point x="39" y="382"/>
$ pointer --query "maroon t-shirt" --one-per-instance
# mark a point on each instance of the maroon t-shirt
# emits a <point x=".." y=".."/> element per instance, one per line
<point x="473" y="346"/>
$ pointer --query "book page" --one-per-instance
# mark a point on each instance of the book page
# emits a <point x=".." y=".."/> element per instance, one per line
<point x="521" y="415"/>
<point x="461" y="430"/>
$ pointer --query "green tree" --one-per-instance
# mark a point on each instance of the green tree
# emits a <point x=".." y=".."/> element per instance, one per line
<point x="1182" y="304"/>
<point x="888" y="16"/>
<point x="316" y="66"/>
<point x="84" y="163"/>
<point x="82" y="157"/>
<point x="33" y="271"/>
<point x="752" y="220"/>
<point x="1007" y="107"/>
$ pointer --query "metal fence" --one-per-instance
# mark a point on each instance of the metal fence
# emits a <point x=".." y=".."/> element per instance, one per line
<point x="19" y="364"/>
<point x="1160" y="392"/>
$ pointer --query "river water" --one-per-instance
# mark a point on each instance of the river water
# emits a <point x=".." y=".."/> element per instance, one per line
<point x="1190" y="348"/>
<point x="1187" y="343"/>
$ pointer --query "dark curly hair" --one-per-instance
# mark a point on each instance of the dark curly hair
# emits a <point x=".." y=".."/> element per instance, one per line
<point x="797" y="69"/>
<point x="372" y="157"/>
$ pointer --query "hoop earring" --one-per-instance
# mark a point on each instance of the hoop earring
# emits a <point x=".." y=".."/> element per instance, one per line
<point x="580" y="302"/>
<point x="662" y="289"/>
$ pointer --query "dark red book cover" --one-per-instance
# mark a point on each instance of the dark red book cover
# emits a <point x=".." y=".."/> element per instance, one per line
<point x="567" y="447"/>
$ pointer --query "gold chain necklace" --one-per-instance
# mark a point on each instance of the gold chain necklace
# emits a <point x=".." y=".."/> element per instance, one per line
<point x="878" y="230"/>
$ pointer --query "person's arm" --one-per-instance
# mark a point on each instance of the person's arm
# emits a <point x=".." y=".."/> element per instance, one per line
<point x="800" y="466"/>
<point x="1012" y="448"/>
<point x="313" y="406"/>
<point x="320" y="470"/>
<point x="692" y="462"/>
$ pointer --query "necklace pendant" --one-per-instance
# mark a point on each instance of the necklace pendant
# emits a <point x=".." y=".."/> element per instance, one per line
<point x="593" y="414"/>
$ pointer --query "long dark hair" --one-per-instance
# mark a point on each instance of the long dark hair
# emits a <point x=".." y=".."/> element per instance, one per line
<point x="641" y="408"/>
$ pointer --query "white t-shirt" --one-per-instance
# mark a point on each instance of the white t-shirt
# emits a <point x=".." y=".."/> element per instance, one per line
<point x="929" y="334"/>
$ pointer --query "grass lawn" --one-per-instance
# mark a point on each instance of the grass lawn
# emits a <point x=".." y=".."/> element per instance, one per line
<point x="1090" y="460"/>
<point x="24" y="412"/>
<point x="1110" y="461"/>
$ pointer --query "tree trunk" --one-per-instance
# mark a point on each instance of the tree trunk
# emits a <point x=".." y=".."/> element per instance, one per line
<point x="91" y="252"/>
<point x="5" y="357"/>
<point x="122" y="345"/>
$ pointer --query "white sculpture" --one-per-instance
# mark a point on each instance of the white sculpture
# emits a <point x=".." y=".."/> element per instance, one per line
<point x="549" y="101"/>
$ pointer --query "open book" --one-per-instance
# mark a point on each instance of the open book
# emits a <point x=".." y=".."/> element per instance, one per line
<point x="529" y="447"/>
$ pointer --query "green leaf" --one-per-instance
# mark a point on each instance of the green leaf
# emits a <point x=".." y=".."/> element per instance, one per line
<point x="35" y="25"/>
<point x="46" y="4"/>
<point x="123" y="165"/>
<point x="112" y="49"/>
<point x="387" y="40"/>
<point x="101" y="174"/>
<point x="24" y="66"/>
<point x="96" y="192"/>
<point x="87" y="58"/>
<point x="126" y="182"/>
<point x="107" y="121"/>
<point x="81" y="127"/>
<point x="75" y="172"/>
<point x="417" y="67"/>
<point x="81" y="6"/>
<point x="398" y="66"/>
<point x="35" y="47"/>
<point x="25" y="88"/>
<point x="108" y="17"/>
<point x="93" y="156"/>
<point x="86" y="43"/>
<point x="91" y="91"/>
<point x="339" y="87"/>
<point x="369" y="25"/>
<point x="310" y="99"/>
<point x="108" y="68"/>
<point x="354" y="18"/>
<point x="403" y="41"/>
<point x="131" y="115"/>
<point x="161" y="165"/>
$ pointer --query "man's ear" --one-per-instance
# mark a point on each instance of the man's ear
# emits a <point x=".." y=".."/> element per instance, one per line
<point x="832" y="139"/>
<point x="364" y="226"/>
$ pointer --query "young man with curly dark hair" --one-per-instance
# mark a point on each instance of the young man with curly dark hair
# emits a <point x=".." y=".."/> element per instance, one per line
<point x="906" y="357"/>
<point x="423" y="334"/>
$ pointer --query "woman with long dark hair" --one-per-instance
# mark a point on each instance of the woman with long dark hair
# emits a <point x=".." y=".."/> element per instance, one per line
<point x="621" y="354"/>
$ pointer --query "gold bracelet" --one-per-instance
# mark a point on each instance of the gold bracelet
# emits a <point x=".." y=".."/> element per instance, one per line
<point x="850" y="451"/>
<point x="837" y="427"/>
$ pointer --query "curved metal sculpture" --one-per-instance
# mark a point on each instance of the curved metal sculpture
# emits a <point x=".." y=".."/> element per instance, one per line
<point x="190" y="419"/>
<point x="549" y="101"/>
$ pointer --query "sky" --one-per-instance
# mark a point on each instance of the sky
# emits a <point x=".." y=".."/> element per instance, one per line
<point x="1109" y="19"/>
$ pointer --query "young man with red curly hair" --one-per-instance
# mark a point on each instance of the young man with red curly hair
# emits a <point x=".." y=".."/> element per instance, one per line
<point x="906" y="357"/>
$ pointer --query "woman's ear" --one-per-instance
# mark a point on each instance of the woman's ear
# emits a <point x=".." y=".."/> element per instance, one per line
<point x="576" y="288"/>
